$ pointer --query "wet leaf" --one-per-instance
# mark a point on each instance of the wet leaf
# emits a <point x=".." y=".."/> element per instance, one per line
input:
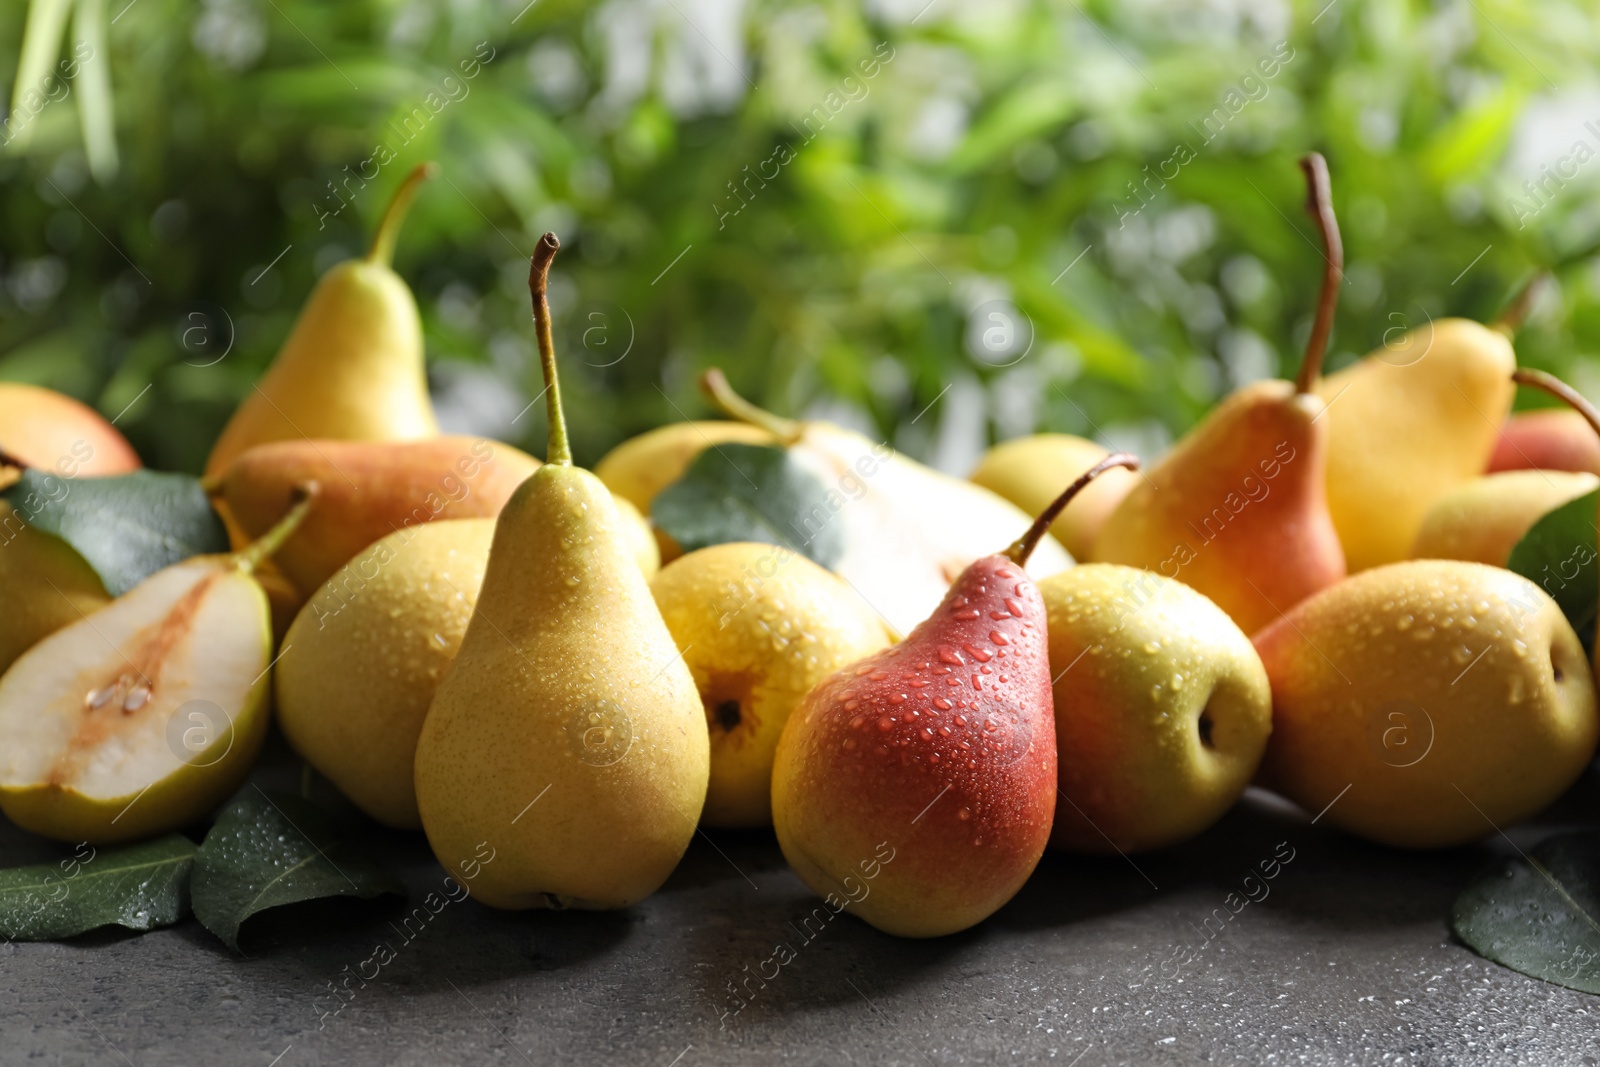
<point x="141" y="887"/>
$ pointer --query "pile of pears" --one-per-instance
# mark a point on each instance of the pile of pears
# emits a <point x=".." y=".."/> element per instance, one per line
<point x="1308" y="593"/>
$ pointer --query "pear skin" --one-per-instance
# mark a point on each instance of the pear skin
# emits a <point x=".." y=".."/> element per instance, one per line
<point x="642" y="466"/>
<point x="1427" y="703"/>
<point x="1236" y="510"/>
<point x="370" y="489"/>
<point x="758" y="625"/>
<point x="1550" y="440"/>
<point x="54" y="432"/>
<point x="48" y="585"/>
<point x="1028" y="470"/>
<point x="1405" y="426"/>
<point x="1482" y="520"/>
<point x="568" y="736"/>
<point x="352" y="368"/>
<point x="362" y="661"/>
<point x="1162" y="709"/>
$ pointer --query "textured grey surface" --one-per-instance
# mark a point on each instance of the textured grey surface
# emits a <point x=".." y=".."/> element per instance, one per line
<point x="1345" y="959"/>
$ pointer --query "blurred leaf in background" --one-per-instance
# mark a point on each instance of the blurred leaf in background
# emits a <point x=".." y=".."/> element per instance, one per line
<point x="840" y="204"/>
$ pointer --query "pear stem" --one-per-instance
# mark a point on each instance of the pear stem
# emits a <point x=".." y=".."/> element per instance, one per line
<point x="1556" y="387"/>
<point x="1319" y="202"/>
<point x="1023" y="547"/>
<point x="14" y="462"/>
<point x="559" y="449"/>
<point x="382" y="250"/>
<point x="251" y="557"/>
<point x="1510" y="319"/>
<point x="715" y="385"/>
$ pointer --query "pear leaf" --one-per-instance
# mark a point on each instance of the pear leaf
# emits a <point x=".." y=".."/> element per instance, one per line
<point x="270" y="851"/>
<point x="141" y="887"/>
<point x="740" y="492"/>
<point x="1558" y="555"/>
<point x="1539" y="913"/>
<point x="127" y="527"/>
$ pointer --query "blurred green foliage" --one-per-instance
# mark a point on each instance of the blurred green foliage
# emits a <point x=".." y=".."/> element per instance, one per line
<point x="832" y="202"/>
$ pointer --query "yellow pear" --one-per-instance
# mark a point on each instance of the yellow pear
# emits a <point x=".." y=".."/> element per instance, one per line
<point x="352" y="369"/>
<point x="568" y="737"/>
<point x="144" y="715"/>
<point x="758" y="625"/>
<point x="1028" y="470"/>
<point x="360" y="665"/>
<point x="47" y="586"/>
<point x="1162" y="708"/>
<point x="642" y="466"/>
<point x="1482" y="520"/>
<point x="1427" y="703"/>
<point x="1406" y="425"/>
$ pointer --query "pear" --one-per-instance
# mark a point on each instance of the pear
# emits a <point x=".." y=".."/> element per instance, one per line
<point x="352" y="369"/>
<point x="1027" y="470"/>
<point x="640" y="537"/>
<point x="1237" y="509"/>
<point x="46" y="429"/>
<point x="568" y="735"/>
<point x="758" y="625"/>
<point x="1409" y="423"/>
<point x="1162" y="709"/>
<point x="1551" y="440"/>
<point x="144" y="715"/>
<point x="1427" y="703"/>
<point x="362" y="661"/>
<point x="909" y="530"/>
<point x="916" y="788"/>
<point x="370" y="489"/>
<point x="1482" y="520"/>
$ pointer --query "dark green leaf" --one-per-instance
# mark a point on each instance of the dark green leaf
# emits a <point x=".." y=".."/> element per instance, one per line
<point x="1558" y="555"/>
<point x="738" y="492"/>
<point x="141" y="887"/>
<point x="1539" y="913"/>
<point x="127" y="527"/>
<point x="268" y="851"/>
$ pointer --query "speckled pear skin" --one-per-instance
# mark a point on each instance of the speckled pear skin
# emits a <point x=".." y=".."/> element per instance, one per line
<point x="1483" y="519"/>
<point x="940" y="752"/>
<point x="759" y="625"/>
<point x="1162" y="709"/>
<point x="1452" y="698"/>
<point x="362" y="662"/>
<point x="1237" y="509"/>
<point x="567" y="695"/>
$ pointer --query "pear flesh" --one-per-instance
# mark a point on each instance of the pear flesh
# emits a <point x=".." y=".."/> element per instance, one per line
<point x="568" y="735"/>
<point x="141" y="716"/>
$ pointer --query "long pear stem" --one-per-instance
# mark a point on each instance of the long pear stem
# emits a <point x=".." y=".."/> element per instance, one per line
<point x="382" y="250"/>
<point x="1510" y="319"/>
<point x="715" y="385"/>
<point x="251" y="557"/>
<point x="14" y="462"/>
<point x="559" y="449"/>
<point x="1319" y="202"/>
<point x="1023" y="547"/>
<point x="1556" y="387"/>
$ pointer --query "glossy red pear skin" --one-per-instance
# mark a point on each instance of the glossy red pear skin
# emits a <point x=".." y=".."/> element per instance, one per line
<point x="941" y="748"/>
<point x="1554" y="439"/>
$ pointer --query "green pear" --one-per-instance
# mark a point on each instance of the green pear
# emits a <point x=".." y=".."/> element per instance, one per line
<point x="758" y="625"/>
<point x="352" y="369"/>
<point x="1027" y="471"/>
<point x="48" y="585"/>
<point x="144" y="715"/>
<point x="1482" y="520"/>
<point x="568" y="736"/>
<point x="364" y="657"/>
<point x="1162" y="708"/>
<point x="1427" y="703"/>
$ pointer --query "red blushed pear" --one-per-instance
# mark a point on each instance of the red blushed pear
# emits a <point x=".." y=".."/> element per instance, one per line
<point x="1546" y="440"/>
<point x="1238" y="509"/>
<point x="917" y="787"/>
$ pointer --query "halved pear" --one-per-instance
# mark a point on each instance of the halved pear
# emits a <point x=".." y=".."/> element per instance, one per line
<point x="146" y="714"/>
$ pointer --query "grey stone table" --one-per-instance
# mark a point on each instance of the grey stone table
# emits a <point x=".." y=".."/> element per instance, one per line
<point x="1343" y="957"/>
